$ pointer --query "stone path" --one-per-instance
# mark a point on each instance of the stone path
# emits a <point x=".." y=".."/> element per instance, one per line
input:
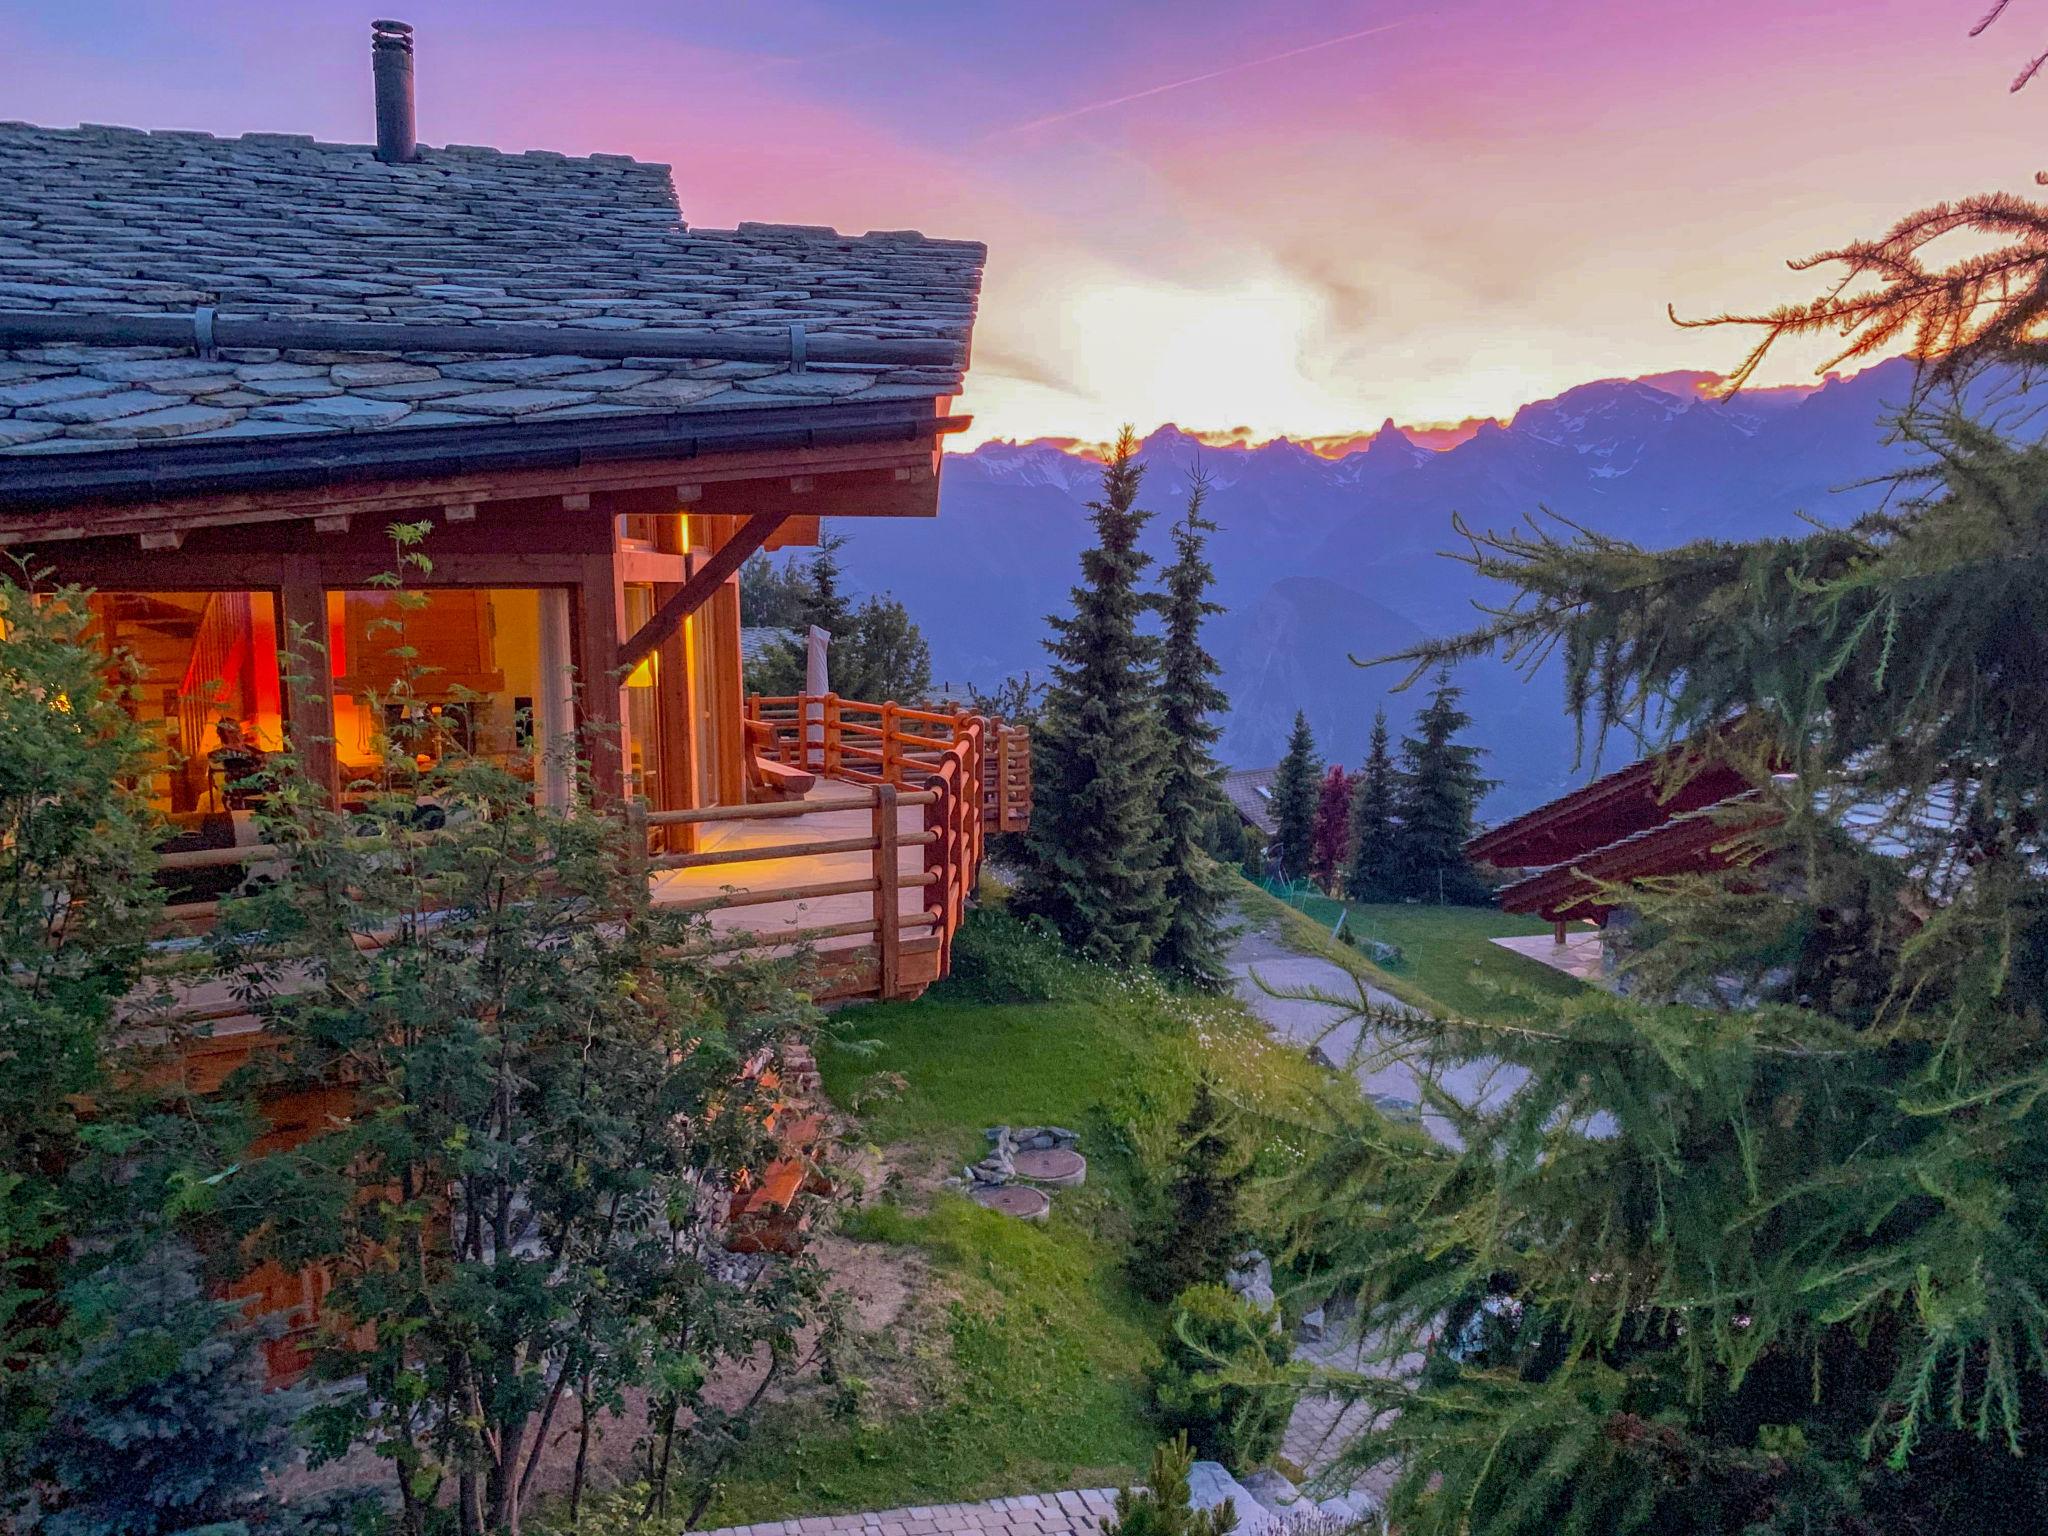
<point x="1079" y="1512"/>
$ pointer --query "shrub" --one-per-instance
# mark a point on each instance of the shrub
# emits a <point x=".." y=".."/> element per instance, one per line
<point x="998" y="958"/>
<point x="1223" y="1380"/>
<point x="1163" y="1508"/>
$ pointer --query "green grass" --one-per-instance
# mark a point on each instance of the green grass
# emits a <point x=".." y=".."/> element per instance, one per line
<point x="1032" y="1373"/>
<point x="1448" y="963"/>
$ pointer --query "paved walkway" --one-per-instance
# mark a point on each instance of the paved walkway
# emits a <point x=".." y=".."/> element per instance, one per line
<point x="1076" y="1513"/>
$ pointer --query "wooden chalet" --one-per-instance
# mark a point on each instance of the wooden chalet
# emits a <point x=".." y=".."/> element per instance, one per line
<point x="228" y="365"/>
<point x="1568" y="856"/>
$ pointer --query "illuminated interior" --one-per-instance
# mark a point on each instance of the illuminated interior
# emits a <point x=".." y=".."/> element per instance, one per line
<point x="206" y="658"/>
<point x="487" y="675"/>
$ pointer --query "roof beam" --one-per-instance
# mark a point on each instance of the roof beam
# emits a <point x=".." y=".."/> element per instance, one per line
<point x="709" y="577"/>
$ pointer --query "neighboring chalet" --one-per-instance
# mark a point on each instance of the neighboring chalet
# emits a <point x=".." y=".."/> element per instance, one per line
<point x="227" y="366"/>
<point x="1568" y="855"/>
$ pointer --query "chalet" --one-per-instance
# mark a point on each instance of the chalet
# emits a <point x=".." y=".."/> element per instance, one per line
<point x="1568" y="856"/>
<point x="228" y="365"/>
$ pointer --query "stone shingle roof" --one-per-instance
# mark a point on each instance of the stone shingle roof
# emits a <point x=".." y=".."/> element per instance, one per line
<point x="100" y="221"/>
<point x="1250" y="790"/>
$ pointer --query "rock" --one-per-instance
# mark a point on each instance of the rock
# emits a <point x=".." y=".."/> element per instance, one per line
<point x="1252" y="1278"/>
<point x="129" y="402"/>
<point x="49" y="391"/>
<point x="356" y="375"/>
<point x="1310" y="1329"/>
<point x="521" y="370"/>
<point x="519" y="402"/>
<point x="1272" y="1490"/>
<point x="14" y="433"/>
<point x="1210" y="1483"/>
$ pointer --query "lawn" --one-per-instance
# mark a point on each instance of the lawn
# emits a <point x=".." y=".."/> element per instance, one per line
<point x="1448" y="963"/>
<point x="1025" y="1368"/>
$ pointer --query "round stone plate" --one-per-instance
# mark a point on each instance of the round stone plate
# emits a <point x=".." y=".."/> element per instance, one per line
<point x="1017" y="1200"/>
<point x="1060" y="1167"/>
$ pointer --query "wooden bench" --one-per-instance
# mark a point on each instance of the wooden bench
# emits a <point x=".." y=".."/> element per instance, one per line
<point x="768" y="778"/>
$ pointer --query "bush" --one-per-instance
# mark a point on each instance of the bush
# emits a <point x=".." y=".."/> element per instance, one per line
<point x="998" y="958"/>
<point x="1223" y="1380"/>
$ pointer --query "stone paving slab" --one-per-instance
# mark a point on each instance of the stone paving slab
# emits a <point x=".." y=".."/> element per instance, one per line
<point x="1072" y="1512"/>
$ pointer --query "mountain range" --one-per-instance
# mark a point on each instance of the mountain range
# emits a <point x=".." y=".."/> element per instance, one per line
<point x="1321" y="558"/>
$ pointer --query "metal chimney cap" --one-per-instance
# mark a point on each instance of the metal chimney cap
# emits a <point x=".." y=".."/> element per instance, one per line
<point x="392" y="33"/>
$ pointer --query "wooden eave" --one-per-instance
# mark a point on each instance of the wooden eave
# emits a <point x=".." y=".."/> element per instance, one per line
<point x="669" y="457"/>
<point x="1697" y="842"/>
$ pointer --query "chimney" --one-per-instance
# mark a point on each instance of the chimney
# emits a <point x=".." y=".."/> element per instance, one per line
<point x="391" y="62"/>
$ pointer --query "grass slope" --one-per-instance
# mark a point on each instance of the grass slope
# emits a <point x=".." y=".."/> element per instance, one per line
<point x="1032" y="1375"/>
<point x="1448" y="963"/>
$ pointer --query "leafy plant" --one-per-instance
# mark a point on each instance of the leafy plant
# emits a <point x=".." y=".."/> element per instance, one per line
<point x="1223" y="1378"/>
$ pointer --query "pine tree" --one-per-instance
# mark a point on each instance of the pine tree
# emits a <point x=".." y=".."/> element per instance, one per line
<point x="1330" y="832"/>
<point x="1295" y="788"/>
<point x="1162" y="1507"/>
<point x="1197" y="892"/>
<point x="1440" y="787"/>
<point x="1202" y="1230"/>
<point x="162" y="1424"/>
<point x="1373" y="870"/>
<point x="1762" y="1246"/>
<point x="1092" y="865"/>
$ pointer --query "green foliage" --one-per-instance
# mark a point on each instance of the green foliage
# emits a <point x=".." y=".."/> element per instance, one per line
<point x="1373" y="869"/>
<point x="550" y="1100"/>
<point x="1202" y="1228"/>
<point x="878" y="654"/>
<point x="1772" y="1256"/>
<point x="1196" y="892"/>
<point x="1223" y="1379"/>
<point x="1092" y="866"/>
<point x="76" y="903"/>
<point x="1162" y="1507"/>
<point x="1438" y="790"/>
<point x="162" y="1424"/>
<point x="1296" y="788"/>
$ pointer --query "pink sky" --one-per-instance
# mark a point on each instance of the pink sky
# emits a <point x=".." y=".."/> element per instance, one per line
<point x="1294" y="217"/>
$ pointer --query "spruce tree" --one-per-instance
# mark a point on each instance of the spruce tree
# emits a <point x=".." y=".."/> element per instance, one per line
<point x="162" y="1424"/>
<point x="1763" y="1245"/>
<point x="1202" y="1230"/>
<point x="1092" y="858"/>
<point x="1440" y="787"/>
<point x="1295" y="789"/>
<point x="1162" y="1507"/>
<point x="1197" y="892"/>
<point x="1331" y="832"/>
<point x="1373" y="871"/>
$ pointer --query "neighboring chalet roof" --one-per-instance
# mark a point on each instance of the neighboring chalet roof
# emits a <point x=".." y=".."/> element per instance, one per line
<point x="757" y="640"/>
<point x="1623" y="826"/>
<point x="1251" y="791"/>
<point x="277" y="230"/>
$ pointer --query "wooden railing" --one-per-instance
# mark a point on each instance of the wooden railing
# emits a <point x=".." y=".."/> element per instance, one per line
<point x="878" y="761"/>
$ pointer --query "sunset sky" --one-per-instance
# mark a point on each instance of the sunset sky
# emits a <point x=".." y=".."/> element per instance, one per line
<point x="1294" y="217"/>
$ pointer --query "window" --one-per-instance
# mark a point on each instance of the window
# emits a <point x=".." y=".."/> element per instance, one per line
<point x="209" y="688"/>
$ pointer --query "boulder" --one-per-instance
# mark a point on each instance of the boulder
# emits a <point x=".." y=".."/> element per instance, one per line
<point x="1252" y="1278"/>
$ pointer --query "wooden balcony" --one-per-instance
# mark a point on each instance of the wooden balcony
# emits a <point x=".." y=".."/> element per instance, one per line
<point x="870" y="871"/>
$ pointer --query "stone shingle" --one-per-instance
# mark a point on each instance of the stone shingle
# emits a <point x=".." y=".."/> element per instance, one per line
<point x="278" y="226"/>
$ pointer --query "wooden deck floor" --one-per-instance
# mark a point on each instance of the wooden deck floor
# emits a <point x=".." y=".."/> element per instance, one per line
<point x="768" y="919"/>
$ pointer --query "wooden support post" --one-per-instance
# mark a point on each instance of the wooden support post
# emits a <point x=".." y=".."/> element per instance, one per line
<point x="1557" y="932"/>
<point x="639" y="892"/>
<point x="308" y="679"/>
<point x="888" y="914"/>
<point x="832" y="737"/>
<point x="889" y="741"/>
<point x="597" y="677"/>
<point x="705" y="580"/>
